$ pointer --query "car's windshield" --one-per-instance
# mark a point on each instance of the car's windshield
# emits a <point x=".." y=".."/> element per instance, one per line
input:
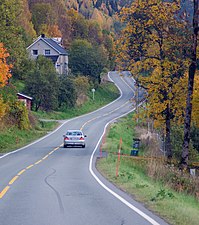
<point x="74" y="133"/>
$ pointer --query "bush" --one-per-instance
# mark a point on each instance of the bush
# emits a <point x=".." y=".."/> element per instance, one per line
<point x="18" y="115"/>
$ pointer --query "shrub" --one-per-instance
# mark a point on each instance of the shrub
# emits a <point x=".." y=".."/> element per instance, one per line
<point x="18" y="115"/>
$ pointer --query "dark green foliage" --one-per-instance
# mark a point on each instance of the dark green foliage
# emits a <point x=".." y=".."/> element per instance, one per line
<point x="195" y="137"/>
<point x="87" y="60"/>
<point x="67" y="94"/>
<point x="42" y="85"/>
<point x="9" y="93"/>
<point x="162" y="194"/>
<point x="177" y="140"/>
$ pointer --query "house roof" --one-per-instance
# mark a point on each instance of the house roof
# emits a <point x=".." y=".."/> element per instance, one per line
<point x="52" y="43"/>
<point x="52" y="57"/>
<point x="55" y="45"/>
<point x="25" y="96"/>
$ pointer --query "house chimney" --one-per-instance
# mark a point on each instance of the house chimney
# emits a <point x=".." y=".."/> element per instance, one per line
<point x="43" y="35"/>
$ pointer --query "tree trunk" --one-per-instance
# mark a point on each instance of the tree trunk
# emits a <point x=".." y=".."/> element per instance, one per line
<point x="187" y="121"/>
<point x="168" y="134"/>
<point x="192" y="70"/>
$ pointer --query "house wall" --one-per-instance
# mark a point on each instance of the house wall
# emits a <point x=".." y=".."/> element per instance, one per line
<point x="26" y="101"/>
<point x="41" y="46"/>
<point x="62" y="64"/>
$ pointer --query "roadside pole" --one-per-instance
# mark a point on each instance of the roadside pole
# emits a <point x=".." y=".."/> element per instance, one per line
<point x="137" y="103"/>
<point x="93" y="90"/>
<point x="118" y="159"/>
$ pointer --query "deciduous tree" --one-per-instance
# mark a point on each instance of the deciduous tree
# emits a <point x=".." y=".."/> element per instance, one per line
<point x="67" y="92"/>
<point x="152" y="47"/>
<point x="87" y="60"/>
<point x="42" y="85"/>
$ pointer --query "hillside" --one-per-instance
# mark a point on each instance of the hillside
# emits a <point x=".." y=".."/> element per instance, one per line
<point x="102" y="11"/>
<point x="86" y="7"/>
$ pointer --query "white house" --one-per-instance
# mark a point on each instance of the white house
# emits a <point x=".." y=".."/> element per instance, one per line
<point x="52" y="49"/>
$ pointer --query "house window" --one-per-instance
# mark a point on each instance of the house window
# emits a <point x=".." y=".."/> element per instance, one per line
<point x="35" y="52"/>
<point x="47" y="51"/>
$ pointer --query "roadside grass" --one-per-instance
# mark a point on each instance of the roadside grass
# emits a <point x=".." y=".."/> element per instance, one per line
<point x="12" y="138"/>
<point x="176" y="208"/>
<point x="105" y="94"/>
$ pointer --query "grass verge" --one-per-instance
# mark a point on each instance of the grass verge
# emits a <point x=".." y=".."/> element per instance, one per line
<point x="12" y="138"/>
<point x="176" y="208"/>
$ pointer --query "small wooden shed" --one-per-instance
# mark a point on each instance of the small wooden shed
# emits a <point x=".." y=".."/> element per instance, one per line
<point x="25" y="99"/>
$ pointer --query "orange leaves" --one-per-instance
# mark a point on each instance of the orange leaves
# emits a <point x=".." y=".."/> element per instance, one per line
<point x="4" y="67"/>
<point x="53" y="31"/>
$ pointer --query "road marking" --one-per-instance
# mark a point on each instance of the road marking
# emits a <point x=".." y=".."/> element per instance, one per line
<point x="22" y="171"/>
<point x="38" y="162"/>
<point x="45" y="157"/>
<point x="28" y="167"/>
<point x="128" y="84"/>
<point x="4" y="191"/>
<point x="13" y="179"/>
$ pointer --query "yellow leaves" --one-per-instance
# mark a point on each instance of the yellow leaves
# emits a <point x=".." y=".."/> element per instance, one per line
<point x="4" y="67"/>
<point x="152" y="47"/>
<point x="82" y="84"/>
<point x="195" y="101"/>
<point x="2" y="107"/>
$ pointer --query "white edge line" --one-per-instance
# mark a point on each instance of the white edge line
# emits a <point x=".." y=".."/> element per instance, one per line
<point x="17" y="150"/>
<point x="138" y="211"/>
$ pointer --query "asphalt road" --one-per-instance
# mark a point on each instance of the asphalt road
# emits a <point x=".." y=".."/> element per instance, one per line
<point x="46" y="184"/>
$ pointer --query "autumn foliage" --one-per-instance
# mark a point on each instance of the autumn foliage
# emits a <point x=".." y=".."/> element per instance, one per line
<point x="4" y="67"/>
<point x="4" y="76"/>
<point x="154" y="45"/>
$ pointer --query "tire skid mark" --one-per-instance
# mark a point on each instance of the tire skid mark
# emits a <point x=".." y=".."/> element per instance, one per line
<point x="55" y="191"/>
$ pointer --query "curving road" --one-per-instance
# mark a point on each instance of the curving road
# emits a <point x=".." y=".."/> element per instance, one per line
<point x="45" y="184"/>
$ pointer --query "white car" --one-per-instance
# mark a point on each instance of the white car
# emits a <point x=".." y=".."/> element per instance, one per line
<point x="74" y="138"/>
